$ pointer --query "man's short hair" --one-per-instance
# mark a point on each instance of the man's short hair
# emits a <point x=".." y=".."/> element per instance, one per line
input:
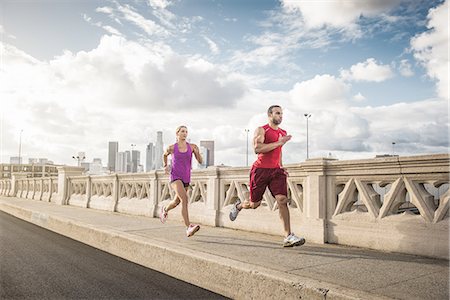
<point x="269" y="111"/>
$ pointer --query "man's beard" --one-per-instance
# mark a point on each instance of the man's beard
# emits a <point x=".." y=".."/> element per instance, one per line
<point x="276" y="122"/>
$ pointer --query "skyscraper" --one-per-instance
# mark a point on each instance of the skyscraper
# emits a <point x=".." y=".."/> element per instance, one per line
<point x="121" y="162"/>
<point x="204" y="152"/>
<point x="149" y="157"/>
<point x="113" y="148"/>
<point x="159" y="150"/>
<point x="210" y="146"/>
<point x="128" y="157"/>
<point x="135" y="160"/>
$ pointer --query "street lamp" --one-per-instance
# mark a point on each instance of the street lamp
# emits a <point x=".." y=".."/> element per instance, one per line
<point x="20" y="145"/>
<point x="307" y="116"/>
<point x="393" y="148"/>
<point x="246" y="156"/>
<point x="79" y="159"/>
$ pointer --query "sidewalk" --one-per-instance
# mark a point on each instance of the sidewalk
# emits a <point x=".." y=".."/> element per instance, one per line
<point x="244" y="265"/>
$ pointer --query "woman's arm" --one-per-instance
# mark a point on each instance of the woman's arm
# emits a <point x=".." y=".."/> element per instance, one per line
<point x="197" y="154"/>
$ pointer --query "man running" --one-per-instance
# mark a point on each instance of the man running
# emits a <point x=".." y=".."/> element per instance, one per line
<point x="267" y="171"/>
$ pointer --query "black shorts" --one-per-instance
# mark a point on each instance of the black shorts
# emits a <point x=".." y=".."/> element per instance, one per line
<point x="185" y="184"/>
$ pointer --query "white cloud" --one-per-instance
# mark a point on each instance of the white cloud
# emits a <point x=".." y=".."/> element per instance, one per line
<point x="147" y="25"/>
<point x="405" y="68"/>
<point x="159" y="3"/>
<point x="212" y="45"/>
<point x="369" y="70"/>
<point x="431" y="48"/>
<point x="338" y="13"/>
<point x="359" y="97"/>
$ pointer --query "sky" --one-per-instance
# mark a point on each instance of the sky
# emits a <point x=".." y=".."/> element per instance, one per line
<point x="77" y="74"/>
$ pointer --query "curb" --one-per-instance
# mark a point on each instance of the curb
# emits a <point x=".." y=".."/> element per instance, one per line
<point x="234" y="279"/>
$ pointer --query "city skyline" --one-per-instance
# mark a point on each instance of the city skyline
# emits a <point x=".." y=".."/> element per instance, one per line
<point x="370" y="74"/>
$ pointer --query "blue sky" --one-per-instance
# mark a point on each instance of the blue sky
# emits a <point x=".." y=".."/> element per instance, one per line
<point x="121" y="70"/>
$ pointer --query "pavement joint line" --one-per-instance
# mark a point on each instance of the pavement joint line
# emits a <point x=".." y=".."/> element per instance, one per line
<point x="402" y="281"/>
<point x="318" y="265"/>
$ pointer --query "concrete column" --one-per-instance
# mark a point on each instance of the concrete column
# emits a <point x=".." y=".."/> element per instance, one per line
<point x="115" y="193"/>
<point x="63" y="173"/>
<point x="153" y="193"/>
<point x="88" y="191"/>
<point x="315" y="200"/>
<point x="14" y="178"/>
<point x="212" y="194"/>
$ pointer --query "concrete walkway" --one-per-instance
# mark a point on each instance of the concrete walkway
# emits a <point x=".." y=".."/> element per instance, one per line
<point x="244" y="265"/>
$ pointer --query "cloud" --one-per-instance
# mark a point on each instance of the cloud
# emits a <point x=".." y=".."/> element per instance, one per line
<point x="338" y="13"/>
<point x="430" y="48"/>
<point x="359" y="97"/>
<point x="332" y="125"/>
<point x="369" y="70"/>
<point x="159" y="3"/>
<point x="212" y="45"/>
<point x="405" y="68"/>
<point x="147" y="25"/>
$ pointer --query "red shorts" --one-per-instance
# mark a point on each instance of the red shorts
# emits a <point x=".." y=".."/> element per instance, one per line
<point x="261" y="178"/>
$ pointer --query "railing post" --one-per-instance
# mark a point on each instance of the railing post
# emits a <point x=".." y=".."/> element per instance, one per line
<point x="212" y="203"/>
<point x="63" y="173"/>
<point x="15" y="177"/>
<point x="153" y="193"/>
<point x="88" y="191"/>
<point x="315" y="200"/>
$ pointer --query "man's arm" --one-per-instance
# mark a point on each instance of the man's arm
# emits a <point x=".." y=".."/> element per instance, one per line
<point x="258" y="142"/>
<point x="197" y="154"/>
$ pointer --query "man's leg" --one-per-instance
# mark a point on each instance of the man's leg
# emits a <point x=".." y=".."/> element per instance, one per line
<point x="283" y="209"/>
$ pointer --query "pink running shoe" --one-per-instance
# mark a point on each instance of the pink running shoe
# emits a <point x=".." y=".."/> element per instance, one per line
<point x="192" y="229"/>
<point x="163" y="215"/>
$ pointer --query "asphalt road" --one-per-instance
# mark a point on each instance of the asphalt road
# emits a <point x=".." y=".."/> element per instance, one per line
<point x="39" y="264"/>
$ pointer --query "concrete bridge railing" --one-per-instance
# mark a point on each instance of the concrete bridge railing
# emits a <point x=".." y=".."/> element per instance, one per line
<point x="394" y="203"/>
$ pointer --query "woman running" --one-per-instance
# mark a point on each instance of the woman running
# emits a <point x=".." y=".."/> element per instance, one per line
<point x="180" y="176"/>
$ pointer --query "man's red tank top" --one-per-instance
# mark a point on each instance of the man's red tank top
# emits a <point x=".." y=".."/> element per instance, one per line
<point x="270" y="159"/>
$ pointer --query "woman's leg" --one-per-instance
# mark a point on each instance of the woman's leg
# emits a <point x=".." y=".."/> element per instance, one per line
<point x="180" y="190"/>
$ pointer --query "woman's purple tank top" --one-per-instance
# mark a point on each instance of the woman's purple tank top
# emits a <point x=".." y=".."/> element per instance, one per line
<point x="181" y="164"/>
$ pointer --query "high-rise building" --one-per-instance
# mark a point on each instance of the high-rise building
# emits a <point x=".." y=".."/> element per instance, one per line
<point x="135" y="160"/>
<point x="122" y="162"/>
<point x="128" y="165"/>
<point x="204" y="152"/>
<point x="210" y="146"/>
<point x="149" y="157"/>
<point x="159" y="150"/>
<point x="113" y="149"/>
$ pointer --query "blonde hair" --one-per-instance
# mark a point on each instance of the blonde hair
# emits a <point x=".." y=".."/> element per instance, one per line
<point x="179" y="128"/>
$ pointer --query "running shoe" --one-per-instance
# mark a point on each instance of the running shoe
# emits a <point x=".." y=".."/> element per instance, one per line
<point x="234" y="210"/>
<point x="192" y="229"/>
<point x="163" y="215"/>
<point x="293" y="240"/>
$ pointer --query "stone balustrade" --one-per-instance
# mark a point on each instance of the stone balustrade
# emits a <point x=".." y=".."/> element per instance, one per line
<point x="393" y="203"/>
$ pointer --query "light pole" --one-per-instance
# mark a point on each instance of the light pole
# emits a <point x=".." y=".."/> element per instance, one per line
<point x="393" y="148"/>
<point x="79" y="159"/>
<point x="20" y="146"/>
<point x="307" y="116"/>
<point x="246" y="156"/>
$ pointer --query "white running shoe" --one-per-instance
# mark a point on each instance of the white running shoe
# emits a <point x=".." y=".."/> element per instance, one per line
<point x="234" y="210"/>
<point x="192" y="229"/>
<point x="293" y="240"/>
<point x="163" y="215"/>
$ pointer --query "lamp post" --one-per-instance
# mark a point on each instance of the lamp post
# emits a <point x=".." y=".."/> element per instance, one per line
<point x="393" y="148"/>
<point x="307" y="116"/>
<point x="246" y="156"/>
<point x="20" y="145"/>
<point x="79" y="159"/>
